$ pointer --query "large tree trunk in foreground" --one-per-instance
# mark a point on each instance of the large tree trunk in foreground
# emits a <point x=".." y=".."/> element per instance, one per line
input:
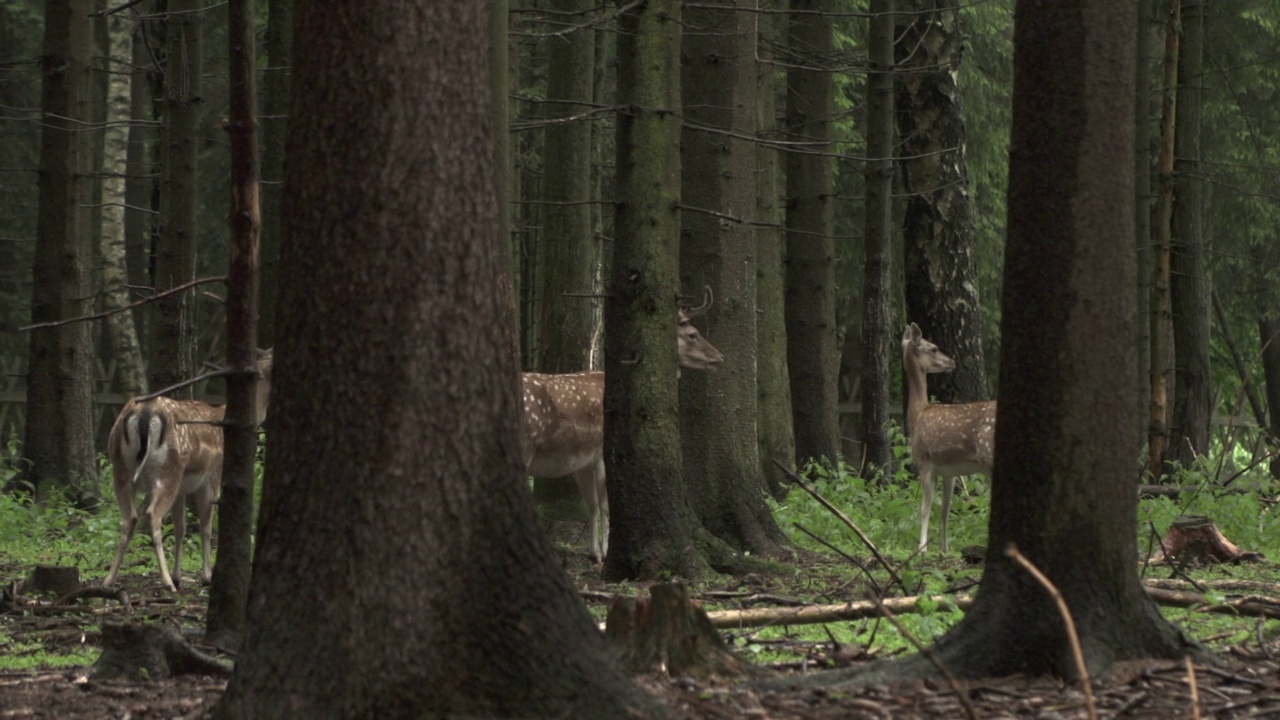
<point x="1069" y="427"/>
<point x="652" y="526"/>
<point x="939" y="243"/>
<point x="400" y="571"/>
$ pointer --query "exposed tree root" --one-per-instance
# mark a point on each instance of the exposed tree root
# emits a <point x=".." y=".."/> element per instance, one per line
<point x="150" y="652"/>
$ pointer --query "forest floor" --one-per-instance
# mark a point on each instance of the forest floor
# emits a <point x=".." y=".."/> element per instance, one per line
<point x="1244" y="684"/>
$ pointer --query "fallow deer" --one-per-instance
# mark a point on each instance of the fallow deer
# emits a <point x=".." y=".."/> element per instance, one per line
<point x="172" y="451"/>
<point x="946" y="440"/>
<point x="564" y="423"/>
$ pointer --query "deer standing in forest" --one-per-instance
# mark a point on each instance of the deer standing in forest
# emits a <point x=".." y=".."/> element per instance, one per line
<point x="172" y="451"/>
<point x="563" y="432"/>
<point x="946" y="440"/>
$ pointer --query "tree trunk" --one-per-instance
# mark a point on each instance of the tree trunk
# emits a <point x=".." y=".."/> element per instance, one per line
<point x="777" y="440"/>
<point x="1188" y="285"/>
<point x="58" y="444"/>
<point x="1142" y="161"/>
<point x="652" y="525"/>
<point x="1062" y="490"/>
<point x="275" y="108"/>
<point x="1269" y="339"/>
<point x="1158" y="410"/>
<point x="812" y="353"/>
<point x="225" y="623"/>
<point x="568" y="252"/>
<point x="125" y="348"/>
<point x="718" y="409"/>
<point x="939" y="240"/>
<point x="433" y="593"/>
<point x="175" y="255"/>
<point x="877" y="257"/>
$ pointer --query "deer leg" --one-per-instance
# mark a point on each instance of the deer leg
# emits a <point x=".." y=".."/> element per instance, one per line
<point x="204" y="510"/>
<point x="926" y="504"/>
<point x="948" y="487"/>
<point x="162" y="501"/>
<point x="585" y="478"/>
<point x="128" y="522"/>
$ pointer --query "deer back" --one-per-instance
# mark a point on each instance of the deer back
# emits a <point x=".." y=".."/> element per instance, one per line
<point x="150" y="440"/>
<point x="563" y="421"/>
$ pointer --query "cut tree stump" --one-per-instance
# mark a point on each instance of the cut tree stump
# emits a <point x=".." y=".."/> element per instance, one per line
<point x="150" y="652"/>
<point x="1195" y="540"/>
<point x="668" y="633"/>
<point x="52" y="580"/>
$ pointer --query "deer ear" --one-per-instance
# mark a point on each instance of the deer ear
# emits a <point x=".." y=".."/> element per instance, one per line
<point x="912" y="334"/>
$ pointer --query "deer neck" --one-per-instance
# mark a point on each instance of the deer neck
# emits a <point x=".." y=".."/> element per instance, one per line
<point x="917" y="390"/>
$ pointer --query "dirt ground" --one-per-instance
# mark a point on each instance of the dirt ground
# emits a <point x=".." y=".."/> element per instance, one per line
<point x="1245" y="684"/>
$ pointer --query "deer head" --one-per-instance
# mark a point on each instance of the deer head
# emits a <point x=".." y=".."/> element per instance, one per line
<point x="695" y="352"/>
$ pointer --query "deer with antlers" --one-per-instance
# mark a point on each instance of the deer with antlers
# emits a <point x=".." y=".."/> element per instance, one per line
<point x="171" y="450"/>
<point x="946" y="440"/>
<point x="564" y="423"/>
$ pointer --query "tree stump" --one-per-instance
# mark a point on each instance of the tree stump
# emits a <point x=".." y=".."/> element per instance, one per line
<point x="668" y="633"/>
<point x="51" y="580"/>
<point x="1195" y="540"/>
<point x="150" y="652"/>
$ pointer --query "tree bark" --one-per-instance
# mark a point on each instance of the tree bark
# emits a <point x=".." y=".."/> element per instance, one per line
<point x="652" y="525"/>
<point x="1068" y="432"/>
<point x="1158" y="409"/>
<point x="229" y="594"/>
<point x="422" y="561"/>
<point x="58" y="443"/>
<point x="938" y="234"/>
<point x="1144" y="199"/>
<point x="175" y="256"/>
<point x="1188" y="280"/>
<point x="1067" y="406"/>
<point x="777" y="439"/>
<point x="275" y="108"/>
<point x="569" y="251"/>
<point x="718" y="409"/>
<point x="125" y="348"/>
<point x="877" y="257"/>
<point x="812" y="352"/>
<point x="1269" y="339"/>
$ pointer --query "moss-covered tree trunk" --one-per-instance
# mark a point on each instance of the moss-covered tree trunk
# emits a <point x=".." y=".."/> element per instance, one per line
<point x="812" y="354"/>
<point x="652" y="525"/>
<point x="718" y="249"/>
<point x="939" y="241"/>
<point x="430" y="591"/>
<point x="58" y="443"/>
<point x="777" y="439"/>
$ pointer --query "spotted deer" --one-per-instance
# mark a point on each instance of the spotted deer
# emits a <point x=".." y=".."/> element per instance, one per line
<point x="946" y="440"/>
<point x="564" y="423"/>
<point x="171" y="450"/>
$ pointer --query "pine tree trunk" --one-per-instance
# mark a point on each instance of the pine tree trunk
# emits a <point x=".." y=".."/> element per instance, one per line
<point x="569" y="250"/>
<point x="939" y="241"/>
<point x="812" y="354"/>
<point x="1158" y="410"/>
<point x="275" y="108"/>
<point x="652" y="525"/>
<point x="438" y="595"/>
<point x="175" y="256"/>
<point x="1188" y="276"/>
<point x="877" y="258"/>
<point x="58" y="444"/>
<point x="777" y="438"/>
<point x="718" y="409"/>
